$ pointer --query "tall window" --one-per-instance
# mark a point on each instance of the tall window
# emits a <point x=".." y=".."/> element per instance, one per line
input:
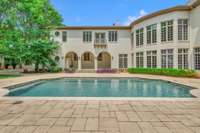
<point x="87" y="36"/>
<point x="140" y="37"/>
<point x="123" y="61"/>
<point x="197" y="58"/>
<point x="132" y="40"/>
<point x="151" y="34"/>
<point x="86" y="56"/>
<point x="113" y="36"/>
<point x="140" y="60"/>
<point x="183" y="58"/>
<point x="183" y="29"/>
<point x="64" y="36"/>
<point x="167" y="58"/>
<point x="167" y="31"/>
<point x="151" y="59"/>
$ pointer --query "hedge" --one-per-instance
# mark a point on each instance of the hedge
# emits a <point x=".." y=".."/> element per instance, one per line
<point x="163" y="71"/>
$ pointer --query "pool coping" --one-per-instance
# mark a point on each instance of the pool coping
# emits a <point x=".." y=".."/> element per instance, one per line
<point x="195" y="89"/>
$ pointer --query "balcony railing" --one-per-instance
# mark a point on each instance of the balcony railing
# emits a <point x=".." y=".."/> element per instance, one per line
<point x="100" y="41"/>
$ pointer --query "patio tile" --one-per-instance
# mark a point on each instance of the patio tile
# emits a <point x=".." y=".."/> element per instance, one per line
<point x="109" y="124"/>
<point x="46" y="122"/>
<point x="147" y="116"/>
<point x="163" y="130"/>
<point x="133" y="116"/>
<point x="129" y="127"/>
<point x="79" y="124"/>
<point x="62" y="122"/>
<point x="58" y="129"/>
<point x="41" y="129"/>
<point x="92" y="124"/>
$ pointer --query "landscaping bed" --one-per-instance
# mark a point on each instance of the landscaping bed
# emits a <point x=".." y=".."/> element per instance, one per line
<point x="163" y="71"/>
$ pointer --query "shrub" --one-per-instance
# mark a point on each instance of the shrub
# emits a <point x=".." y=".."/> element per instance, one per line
<point x="55" y="69"/>
<point x="163" y="71"/>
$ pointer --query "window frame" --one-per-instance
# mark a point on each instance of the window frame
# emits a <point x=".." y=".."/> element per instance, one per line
<point x="167" y="31"/>
<point x="64" y="36"/>
<point x="151" y="32"/>
<point x="87" y="36"/>
<point x="183" y="29"/>
<point x="123" y="61"/>
<point x="183" y="58"/>
<point x="113" y="36"/>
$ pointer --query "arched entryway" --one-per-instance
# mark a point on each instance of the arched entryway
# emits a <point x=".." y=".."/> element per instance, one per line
<point x="87" y="61"/>
<point x="104" y="60"/>
<point x="71" y="60"/>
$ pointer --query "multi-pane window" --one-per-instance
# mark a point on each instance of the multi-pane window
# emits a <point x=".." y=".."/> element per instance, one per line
<point x="183" y="29"/>
<point x="167" y="58"/>
<point x="86" y="56"/>
<point x="87" y="36"/>
<point x="113" y="36"/>
<point x="123" y="60"/>
<point x="167" y="31"/>
<point x="183" y="58"/>
<point x="140" y="37"/>
<point x="151" y="59"/>
<point x="132" y="40"/>
<point x="152" y="34"/>
<point x="64" y="36"/>
<point x="197" y="58"/>
<point x="140" y="60"/>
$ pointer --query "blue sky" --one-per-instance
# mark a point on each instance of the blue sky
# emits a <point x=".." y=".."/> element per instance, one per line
<point x="107" y="12"/>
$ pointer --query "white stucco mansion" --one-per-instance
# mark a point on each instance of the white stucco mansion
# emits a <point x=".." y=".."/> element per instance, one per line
<point x="169" y="38"/>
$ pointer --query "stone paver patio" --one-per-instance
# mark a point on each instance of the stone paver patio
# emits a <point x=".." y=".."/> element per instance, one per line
<point x="154" y="116"/>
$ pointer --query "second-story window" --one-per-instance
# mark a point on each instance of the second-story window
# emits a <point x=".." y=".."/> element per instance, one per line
<point x="152" y="34"/>
<point x="64" y="36"/>
<point x="87" y="36"/>
<point x="167" y="31"/>
<point x="113" y="36"/>
<point x="183" y="29"/>
<point x="140" y="37"/>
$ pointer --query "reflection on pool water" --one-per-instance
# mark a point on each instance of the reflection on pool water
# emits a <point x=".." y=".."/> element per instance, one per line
<point x="98" y="87"/>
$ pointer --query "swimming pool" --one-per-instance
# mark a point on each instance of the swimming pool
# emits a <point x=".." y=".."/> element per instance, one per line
<point x="99" y="87"/>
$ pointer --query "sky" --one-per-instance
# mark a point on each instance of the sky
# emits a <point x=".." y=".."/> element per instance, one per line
<point x="108" y="12"/>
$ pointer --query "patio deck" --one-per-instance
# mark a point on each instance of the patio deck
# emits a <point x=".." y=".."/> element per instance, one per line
<point x="157" y="116"/>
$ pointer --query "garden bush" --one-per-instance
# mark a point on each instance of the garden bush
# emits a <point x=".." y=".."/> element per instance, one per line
<point x="163" y="71"/>
<point x="55" y="69"/>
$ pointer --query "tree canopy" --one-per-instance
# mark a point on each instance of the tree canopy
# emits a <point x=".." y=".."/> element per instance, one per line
<point x="25" y="30"/>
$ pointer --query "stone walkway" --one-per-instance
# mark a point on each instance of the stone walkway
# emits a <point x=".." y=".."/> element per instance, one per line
<point x="152" y="116"/>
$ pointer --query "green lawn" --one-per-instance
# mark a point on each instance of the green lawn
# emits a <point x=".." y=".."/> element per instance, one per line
<point x="8" y="76"/>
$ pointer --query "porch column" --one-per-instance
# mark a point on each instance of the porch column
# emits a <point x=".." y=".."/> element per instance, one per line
<point x="79" y="63"/>
<point x="95" y="63"/>
<point x="62" y="62"/>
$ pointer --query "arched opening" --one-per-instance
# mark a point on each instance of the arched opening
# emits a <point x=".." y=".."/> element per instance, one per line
<point x="71" y="60"/>
<point x="104" y="60"/>
<point x="87" y="61"/>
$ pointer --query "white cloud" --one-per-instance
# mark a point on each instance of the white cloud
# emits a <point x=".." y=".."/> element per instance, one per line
<point x="130" y="19"/>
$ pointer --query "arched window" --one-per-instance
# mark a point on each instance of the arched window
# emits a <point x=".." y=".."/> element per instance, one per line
<point x="57" y="58"/>
<point x="57" y="33"/>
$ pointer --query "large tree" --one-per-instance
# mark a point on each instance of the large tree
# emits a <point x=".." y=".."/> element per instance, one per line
<point x="25" y="31"/>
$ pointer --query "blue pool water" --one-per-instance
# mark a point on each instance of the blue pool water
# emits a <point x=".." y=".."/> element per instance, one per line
<point x="95" y="87"/>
